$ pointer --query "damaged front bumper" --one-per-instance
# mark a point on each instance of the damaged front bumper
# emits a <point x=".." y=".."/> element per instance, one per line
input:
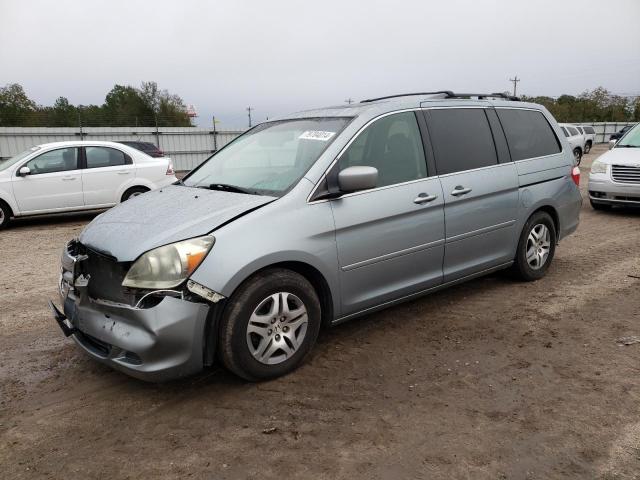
<point x="159" y="343"/>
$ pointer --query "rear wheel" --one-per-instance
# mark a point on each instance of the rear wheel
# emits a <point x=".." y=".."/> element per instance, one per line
<point x="536" y="247"/>
<point x="577" y="154"/>
<point x="270" y="325"/>
<point x="587" y="147"/>
<point x="599" y="206"/>
<point x="5" y="215"/>
<point x="133" y="192"/>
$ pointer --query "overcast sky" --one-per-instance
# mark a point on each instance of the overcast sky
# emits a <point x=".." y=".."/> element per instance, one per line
<point x="284" y="55"/>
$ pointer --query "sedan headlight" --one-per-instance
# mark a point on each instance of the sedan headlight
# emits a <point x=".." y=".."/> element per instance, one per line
<point x="168" y="266"/>
<point x="598" y="167"/>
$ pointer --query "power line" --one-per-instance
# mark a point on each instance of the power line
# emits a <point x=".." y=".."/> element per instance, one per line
<point x="515" y="83"/>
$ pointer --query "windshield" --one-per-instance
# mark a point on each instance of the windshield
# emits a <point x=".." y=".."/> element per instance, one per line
<point x="631" y="138"/>
<point x="6" y="163"/>
<point x="269" y="159"/>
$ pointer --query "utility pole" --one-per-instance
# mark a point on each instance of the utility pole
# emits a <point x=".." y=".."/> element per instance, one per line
<point x="249" y="109"/>
<point x="515" y="83"/>
<point x="349" y="100"/>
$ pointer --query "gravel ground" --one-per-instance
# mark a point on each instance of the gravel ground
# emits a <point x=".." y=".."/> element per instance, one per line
<point x="490" y="379"/>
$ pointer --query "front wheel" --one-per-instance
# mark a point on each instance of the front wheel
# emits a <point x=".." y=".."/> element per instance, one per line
<point x="587" y="148"/>
<point x="5" y="215"/>
<point x="269" y="325"/>
<point x="536" y="247"/>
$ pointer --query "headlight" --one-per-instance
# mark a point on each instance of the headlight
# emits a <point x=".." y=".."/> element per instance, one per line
<point x="598" y="167"/>
<point x="168" y="266"/>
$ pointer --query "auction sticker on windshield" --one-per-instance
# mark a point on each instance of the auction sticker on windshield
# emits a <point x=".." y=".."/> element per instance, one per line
<point x="316" y="135"/>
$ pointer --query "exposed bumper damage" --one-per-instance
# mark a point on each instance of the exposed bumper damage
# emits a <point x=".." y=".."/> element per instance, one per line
<point x="158" y="339"/>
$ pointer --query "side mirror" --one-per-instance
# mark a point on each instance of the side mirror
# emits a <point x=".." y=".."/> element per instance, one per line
<point x="612" y="143"/>
<point x="24" y="171"/>
<point x="353" y="179"/>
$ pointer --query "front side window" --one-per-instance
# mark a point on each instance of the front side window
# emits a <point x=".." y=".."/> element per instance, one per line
<point x="104" y="157"/>
<point x="462" y="139"/>
<point x="269" y="159"/>
<point x="60" y="160"/>
<point x="528" y="133"/>
<point x="573" y="131"/>
<point x="393" y="146"/>
<point x="589" y="130"/>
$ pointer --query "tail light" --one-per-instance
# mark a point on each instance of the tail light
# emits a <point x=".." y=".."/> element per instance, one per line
<point x="171" y="172"/>
<point x="575" y="175"/>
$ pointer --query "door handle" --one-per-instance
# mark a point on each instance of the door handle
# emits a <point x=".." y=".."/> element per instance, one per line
<point x="460" y="190"/>
<point x="424" y="198"/>
<point x="123" y="172"/>
<point x="68" y="178"/>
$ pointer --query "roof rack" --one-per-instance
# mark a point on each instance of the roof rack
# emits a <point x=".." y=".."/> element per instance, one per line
<point x="447" y="94"/>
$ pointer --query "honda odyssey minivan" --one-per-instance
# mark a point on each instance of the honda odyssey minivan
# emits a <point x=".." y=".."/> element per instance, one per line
<point x="314" y="219"/>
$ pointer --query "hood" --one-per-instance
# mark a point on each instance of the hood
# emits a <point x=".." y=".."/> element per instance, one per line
<point x="164" y="216"/>
<point x="621" y="156"/>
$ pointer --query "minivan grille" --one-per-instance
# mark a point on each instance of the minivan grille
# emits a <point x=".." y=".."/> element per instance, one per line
<point x="625" y="173"/>
<point x="105" y="277"/>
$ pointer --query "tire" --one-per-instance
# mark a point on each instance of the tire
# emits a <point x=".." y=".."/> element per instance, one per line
<point x="258" y="336"/>
<point x="5" y="215"/>
<point x="577" y="154"/>
<point x="599" y="206"/>
<point x="587" y="148"/>
<point x="133" y="192"/>
<point x="524" y="268"/>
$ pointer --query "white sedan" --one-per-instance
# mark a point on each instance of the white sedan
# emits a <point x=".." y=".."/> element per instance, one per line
<point x="81" y="175"/>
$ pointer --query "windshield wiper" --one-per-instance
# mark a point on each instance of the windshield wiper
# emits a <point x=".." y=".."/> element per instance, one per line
<point x="225" y="187"/>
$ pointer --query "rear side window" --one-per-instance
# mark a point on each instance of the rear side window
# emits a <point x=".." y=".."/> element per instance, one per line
<point x="573" y="131"/>
<point x="461" y="139"/>
<point x="98" y="157"/>
<point x="529" y="134"/>
<point x="589" y="130"/>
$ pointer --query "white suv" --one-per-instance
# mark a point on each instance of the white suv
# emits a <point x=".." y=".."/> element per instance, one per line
<point x="576" y="140"/>
<point x="81" y="175"/>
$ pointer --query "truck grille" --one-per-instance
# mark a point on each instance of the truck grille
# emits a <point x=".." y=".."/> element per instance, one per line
<point x="625" y="173"/>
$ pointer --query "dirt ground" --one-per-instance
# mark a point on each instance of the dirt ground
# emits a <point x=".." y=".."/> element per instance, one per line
<point x="490" y="379"/>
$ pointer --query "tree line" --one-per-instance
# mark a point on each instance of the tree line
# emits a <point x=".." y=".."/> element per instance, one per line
<point x="124" y="106"/>
<point x="148" y="106"/>
<point x="598" y="105"/>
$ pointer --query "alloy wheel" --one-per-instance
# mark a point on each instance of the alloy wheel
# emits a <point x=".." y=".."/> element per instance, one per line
<point x="277" y="328"/>
<point x="538" y="246"/>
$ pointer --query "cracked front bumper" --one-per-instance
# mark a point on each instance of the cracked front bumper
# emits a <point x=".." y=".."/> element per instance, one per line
<point x="159" y="343"/>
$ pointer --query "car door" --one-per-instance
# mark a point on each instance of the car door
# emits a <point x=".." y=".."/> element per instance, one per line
<point x="480" y="194"/>
<point x="105" y="173"/>
<point x="54" y="182"/>
<point x="389" y="239"/>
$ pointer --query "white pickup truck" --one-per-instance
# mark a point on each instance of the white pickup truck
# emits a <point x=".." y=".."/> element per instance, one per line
<point x="576" y="139"/>
<point x="589" y="136"/>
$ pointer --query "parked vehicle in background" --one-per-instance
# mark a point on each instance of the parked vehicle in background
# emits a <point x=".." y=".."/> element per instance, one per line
<point x="146" y="147"/>
<point x="314" y="219"/>
<point x="620" y="133"/>
<point x="576" y="140"/>
<point x="615" y="176"/>
<point x="589" y="134"/>
<point x="81" y="175"/>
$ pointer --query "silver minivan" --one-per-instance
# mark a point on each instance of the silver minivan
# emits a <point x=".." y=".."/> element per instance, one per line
<point x="314" y="219"/>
